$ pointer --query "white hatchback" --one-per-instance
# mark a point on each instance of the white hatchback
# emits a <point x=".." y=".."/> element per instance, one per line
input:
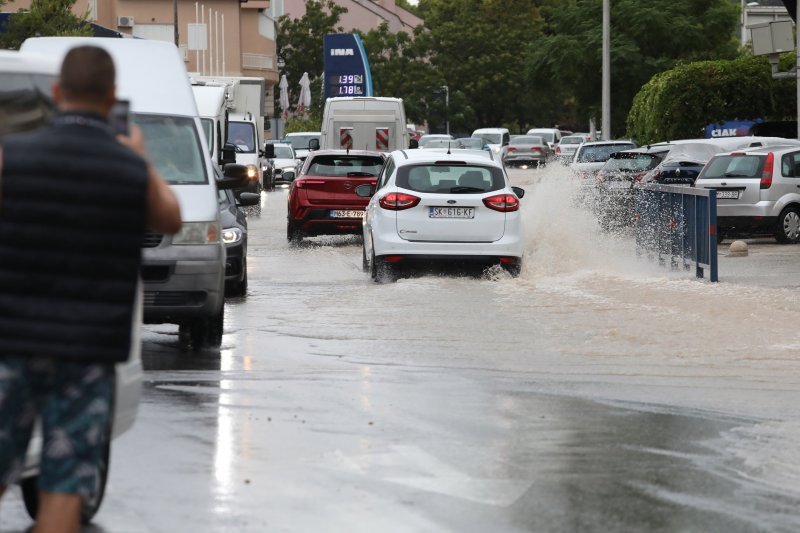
<point x="432" y="206"/>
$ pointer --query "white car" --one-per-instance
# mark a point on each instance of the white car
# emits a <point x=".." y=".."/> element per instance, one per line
<point x="285" y="164"/>
<point x="591" y="156"/>
<point x="301" y="142"/>
<point x="434" y="206"/>
<point x="495" y="138"/>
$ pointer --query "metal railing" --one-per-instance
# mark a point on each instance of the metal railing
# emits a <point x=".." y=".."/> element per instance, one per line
<point x="678" y="226"/>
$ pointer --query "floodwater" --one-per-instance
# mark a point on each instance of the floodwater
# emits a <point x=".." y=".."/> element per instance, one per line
<point x="596" y="392"/>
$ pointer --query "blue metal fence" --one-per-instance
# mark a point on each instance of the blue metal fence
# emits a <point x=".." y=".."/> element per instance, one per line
<point x="678" y="226"/>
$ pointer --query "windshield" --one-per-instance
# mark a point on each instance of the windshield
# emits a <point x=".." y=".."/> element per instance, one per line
<point x="208" y="129"/>
<point x="25" y="101"/>
<point x="443" y="178"/>
<point x="733" y="166"/>
<point x="548" y="136"/>
<point x="425" y="140"/>
<point x="243" y="136"/>
<point x="283" y="152"/>
<point x="472" y="143"/>
<point x="600" y="153"/>
<point x="490" y="138"/>
<point x="300" y="142"/>
<point x="345" y="166"/>
<point x="571" y="140"/>
<point x="173" y="146"/>
<point x="631" y="163"/>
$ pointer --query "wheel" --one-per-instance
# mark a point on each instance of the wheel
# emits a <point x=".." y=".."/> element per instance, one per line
<point x="207" y="332"/>
<point x="89" y="506"/>
<point x="381" y="271"/>
<point x="293" y="233"/>
<point x="239" y="288"/>
<point x="720" y="236"/>
<point x="788" y="228"/>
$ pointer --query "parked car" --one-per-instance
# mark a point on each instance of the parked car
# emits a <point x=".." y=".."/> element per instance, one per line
<point x="758" y="191"/>
<point x="614" y="195"/>
<point x="301" y="142"/>
<point x="285" y="165"/>
<point x="591" y="156"/>
<point x="431" y="137"/>
<point x="552" y="136"/>
<point x="472" y="143"/>
<point x="323" y="201"/>
<point x="430" y="206"/>
<point x="567" y="146"/>
<point x="439" y="143"/>
<point x="526" y="150"/>
<point x="234" y="235"/>
<point x="26" y="103"/>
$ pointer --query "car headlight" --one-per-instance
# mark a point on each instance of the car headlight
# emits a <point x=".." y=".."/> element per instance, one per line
<point x="197" y="233"/>
<point x="252" y="173"/>
<point x="231" y="235"/>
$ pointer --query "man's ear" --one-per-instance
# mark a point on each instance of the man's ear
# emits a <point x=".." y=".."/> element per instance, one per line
<point x="57" y="96"/>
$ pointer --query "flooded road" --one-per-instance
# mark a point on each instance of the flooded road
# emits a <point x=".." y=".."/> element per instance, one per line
<point x="595" y="392"/>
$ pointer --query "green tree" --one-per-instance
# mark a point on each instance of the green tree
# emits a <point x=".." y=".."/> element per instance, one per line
<point x="647" y="37"/>
<point x="478" y="46"/>
<point x="45" y="18"/>
<point x="299" y="47"/>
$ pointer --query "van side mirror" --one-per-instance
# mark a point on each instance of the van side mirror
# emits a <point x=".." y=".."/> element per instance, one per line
<point x="313" y="144"/>
<point x="269" y="151"/>
<point x="227" y="155"/>
<point x="413" y="143"/>
<point x="245" y="199"/>
<point x="235" y="177"/>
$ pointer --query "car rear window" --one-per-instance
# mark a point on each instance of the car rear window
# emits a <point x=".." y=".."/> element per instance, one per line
<point x="600" y="153"/>
<point x="345" y="165"/>
<point x="571" y="140"/>
<point x="733" y="166"/>
<point x="632" y="162"/>
<point x="448" y="179"/>
<point x="528" y="139"/>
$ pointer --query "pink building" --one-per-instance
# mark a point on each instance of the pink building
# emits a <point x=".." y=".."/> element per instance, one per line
<point x="362" y="15"/>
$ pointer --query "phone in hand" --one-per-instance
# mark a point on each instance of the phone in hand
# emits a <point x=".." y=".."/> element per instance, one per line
<point x="120" y="117"/>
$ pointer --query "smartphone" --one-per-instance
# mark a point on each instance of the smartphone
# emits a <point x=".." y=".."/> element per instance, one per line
<point x="120" y="117"/>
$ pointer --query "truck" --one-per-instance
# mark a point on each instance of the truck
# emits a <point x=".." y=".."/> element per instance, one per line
<point x="244" y="103"/>
<point x="364" y="123"/>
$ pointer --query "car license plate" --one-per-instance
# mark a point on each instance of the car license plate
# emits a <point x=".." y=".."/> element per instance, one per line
<point x="346" y="213"/>
<point x="451" y="212"/>
<point x="733" y="195"/>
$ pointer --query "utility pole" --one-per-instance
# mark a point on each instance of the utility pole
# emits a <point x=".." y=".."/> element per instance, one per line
<point x="175" y="21"/>
<point x="797" y="68"/>
<point x="606" y="118"/>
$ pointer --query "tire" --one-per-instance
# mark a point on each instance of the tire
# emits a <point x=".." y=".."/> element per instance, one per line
<point x="381" y="271"/>
<point x="720" y="236"/>
<point x="207" y="332"/>
<point x="293" y="234"/>
<point x="89" y="507"/>
<point x="787" y="230"/>
<point x="239" y="288"/>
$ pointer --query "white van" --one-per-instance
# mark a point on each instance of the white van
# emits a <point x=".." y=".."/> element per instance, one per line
<point x="183" y="274"/>
<point x="496" y="138"/>
<point x="28" y="79"/>
<point x="551" y="135"/>
<point x="212" y="106"/>
<point x="364" y="123"/>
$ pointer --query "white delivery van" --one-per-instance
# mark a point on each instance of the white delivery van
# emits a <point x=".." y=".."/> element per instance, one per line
<point x="496" y="138"/>
<point x="212" y="106"/>
<point x="364" y="123"/>
<point x="26" y="103"/>
<point x="183" y="274"/>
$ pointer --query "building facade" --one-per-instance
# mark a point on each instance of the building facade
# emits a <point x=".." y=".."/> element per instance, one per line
<point x="362" y="15"/>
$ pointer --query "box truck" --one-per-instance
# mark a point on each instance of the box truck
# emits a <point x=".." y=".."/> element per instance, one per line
<point x="364" y="123"/>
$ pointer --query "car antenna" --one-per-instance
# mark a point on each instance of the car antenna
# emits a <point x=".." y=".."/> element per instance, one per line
<point x="448" y="147"/>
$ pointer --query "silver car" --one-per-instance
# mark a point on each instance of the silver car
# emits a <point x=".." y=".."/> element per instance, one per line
<point x="526" y="150"/>
<point x="566" y="147"/>
<point x="758" y="191"/>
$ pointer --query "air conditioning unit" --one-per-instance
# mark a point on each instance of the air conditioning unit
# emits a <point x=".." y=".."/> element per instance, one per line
<point x="125" y="22"/>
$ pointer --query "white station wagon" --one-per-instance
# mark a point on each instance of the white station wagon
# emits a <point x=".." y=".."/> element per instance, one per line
<point x="434" y="206"/>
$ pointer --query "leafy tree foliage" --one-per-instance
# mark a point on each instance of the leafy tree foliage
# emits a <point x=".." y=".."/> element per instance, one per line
<point x="680" y="102"/>
<point x="299" y="44"/>
<point x="45" y="18"/>
<point x="647" y="37"/>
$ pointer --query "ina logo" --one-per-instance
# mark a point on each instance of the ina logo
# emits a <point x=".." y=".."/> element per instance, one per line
<point x="341" y="51"/>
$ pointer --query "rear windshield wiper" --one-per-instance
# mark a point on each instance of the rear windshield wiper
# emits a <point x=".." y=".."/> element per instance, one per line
<point x="465" y="189"/>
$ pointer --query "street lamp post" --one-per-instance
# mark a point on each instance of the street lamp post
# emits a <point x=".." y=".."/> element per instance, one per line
<point x="175" y="21"/>
<point x="606" y="118"/>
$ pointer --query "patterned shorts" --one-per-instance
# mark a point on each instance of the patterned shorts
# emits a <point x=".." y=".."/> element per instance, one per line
<point x="73" y="401"/>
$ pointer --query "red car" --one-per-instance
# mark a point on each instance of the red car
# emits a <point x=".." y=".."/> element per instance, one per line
<point x="323" y="200"/>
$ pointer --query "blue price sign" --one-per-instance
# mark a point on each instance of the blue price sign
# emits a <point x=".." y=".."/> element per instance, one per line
<point x="346" y="67"/>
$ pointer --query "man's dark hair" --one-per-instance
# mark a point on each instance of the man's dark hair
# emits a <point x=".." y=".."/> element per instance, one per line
<point x="87" y="74"/>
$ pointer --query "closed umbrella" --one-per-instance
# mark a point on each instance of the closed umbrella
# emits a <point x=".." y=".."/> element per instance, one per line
<point x="284" y="96"/>
<point x="304" y="101"/>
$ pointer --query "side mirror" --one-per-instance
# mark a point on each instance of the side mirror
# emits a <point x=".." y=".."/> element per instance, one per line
<point x="365" y="191"/>
<point x="519" y="191"/>
<point x="235" y="177"/>
<point x="245" y="199"/>
<point x="413" y="143"/>
<point x="269" y="151"/>
<point x="313" y="144"/>
<point x="227" y="155"/>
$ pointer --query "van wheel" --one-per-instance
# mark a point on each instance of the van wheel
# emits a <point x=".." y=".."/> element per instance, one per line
<point x="788" y="229"/>
<point x="89" y="506"/>
<point x="206" y="332"/>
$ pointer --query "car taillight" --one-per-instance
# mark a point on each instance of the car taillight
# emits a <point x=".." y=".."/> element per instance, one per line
<point x="766" y="174"/>
<point x="502" y="202"/>
<point x="397" y="201"/>
<point x="536" y="149"/>
<point x="558" y="149"/>
<point x="302" y="184"/>
<point x="510" y="149"/>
